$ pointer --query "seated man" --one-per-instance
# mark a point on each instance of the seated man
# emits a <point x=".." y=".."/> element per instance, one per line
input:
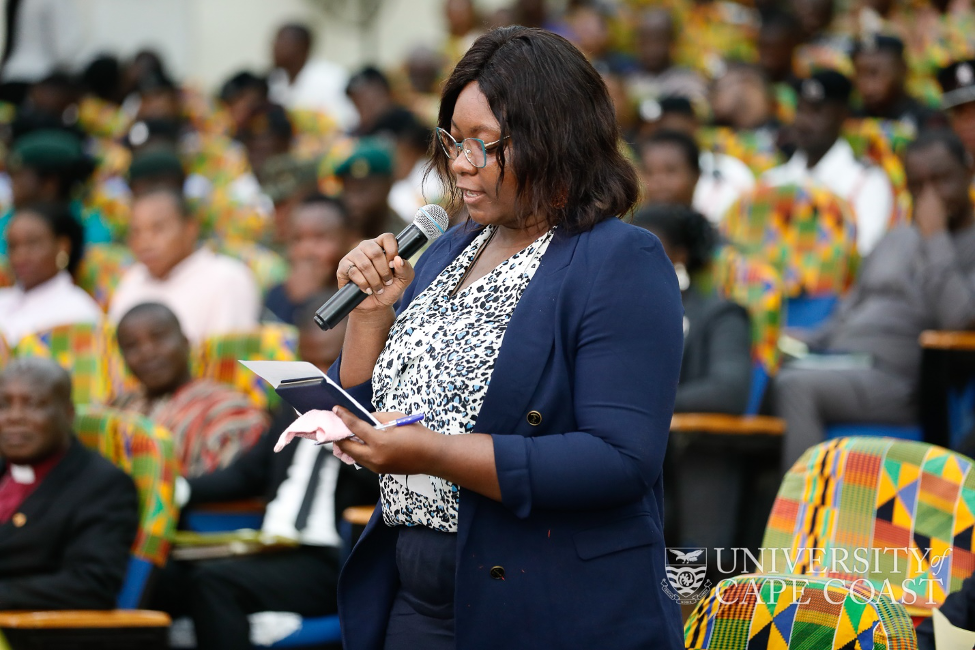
<point x="68" y="517"/>
<point x="210" y="294"/>
<point x="307" y="490"/>
<point x="826" y="158"/>
<point x="211" y="423"/>
<point x="920" y="276"/>
<point x="319" y="234"/>
<point x="367" y="177"/>
<point x="880" y="77"/>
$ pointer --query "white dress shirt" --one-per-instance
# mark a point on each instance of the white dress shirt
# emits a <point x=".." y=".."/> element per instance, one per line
<point x="320" y="85"/>
<point x="209" y="293"/>
<point x="55" y="302"/>
<point x="866" y="188"/>
<point x="722" y="180"/>
<point x="281" y="513"/>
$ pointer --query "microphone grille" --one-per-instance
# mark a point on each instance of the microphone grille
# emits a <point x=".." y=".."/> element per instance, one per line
<point x="432" y="220"/>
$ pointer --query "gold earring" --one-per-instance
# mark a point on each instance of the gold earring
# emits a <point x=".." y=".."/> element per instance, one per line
<point x="61" y="260"/>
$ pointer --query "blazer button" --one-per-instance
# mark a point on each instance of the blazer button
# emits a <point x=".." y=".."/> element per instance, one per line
<point x="497" y="572"/>
<point x="535" y="418"/>
<point x="19" y="520"/>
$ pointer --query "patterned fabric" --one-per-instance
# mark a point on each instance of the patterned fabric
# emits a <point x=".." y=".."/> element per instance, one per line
<point x="100" y="118"/>
<point x="314" y="133"/>
<point x="756" y="286"/>
<point x="710" y="33"/>
<point x="5" y="351"/>
<point x="6" y="275"/>
<point x="218" y="357"/>
<point x="883" y="143"/>
<point x="269" y="268"/>
<point x="857" y="497"/>
<point x="211" y="424"/>
<point x="440" y="347"/>
<point x="758" y="149"/>
<point x="101" y="269"/>
<point x="80" y="348"/>
<point x="784" y="612"/>
<point x="145" y="452"/>
<point x="826" y="54"/>
<point x="805" y="232"/>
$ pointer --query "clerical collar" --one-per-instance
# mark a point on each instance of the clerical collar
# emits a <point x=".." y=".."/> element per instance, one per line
<point x="23" y="474"/>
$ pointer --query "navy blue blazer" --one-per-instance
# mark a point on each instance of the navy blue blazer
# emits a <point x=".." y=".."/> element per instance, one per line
<point x="579" y="408"/>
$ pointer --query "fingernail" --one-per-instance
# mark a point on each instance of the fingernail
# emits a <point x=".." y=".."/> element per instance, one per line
<point x="369" y="292"/>
<point x="389" y="282"/>
<point x="379" y="291"/>
<point x="393" y="264"/>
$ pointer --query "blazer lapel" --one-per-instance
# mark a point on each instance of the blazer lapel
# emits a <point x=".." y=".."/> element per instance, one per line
<point x="526" y="347"/>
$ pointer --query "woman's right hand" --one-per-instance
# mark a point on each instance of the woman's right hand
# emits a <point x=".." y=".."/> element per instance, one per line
<point x="375" y="267"/>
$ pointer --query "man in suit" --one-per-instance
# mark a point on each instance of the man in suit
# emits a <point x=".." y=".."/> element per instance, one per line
<point x="68" y="517"/>
<point x="307" y="489"/>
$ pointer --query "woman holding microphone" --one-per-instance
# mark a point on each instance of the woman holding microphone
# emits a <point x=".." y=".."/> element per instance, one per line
<point x="542" y="341"/>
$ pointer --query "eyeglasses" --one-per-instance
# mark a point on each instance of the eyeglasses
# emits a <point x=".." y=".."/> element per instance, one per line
<point x="476" y="150"/>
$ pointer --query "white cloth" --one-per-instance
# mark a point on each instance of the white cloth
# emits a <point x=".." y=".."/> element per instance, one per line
<point x="320" y="85"/>
<point x="55" y="302"/>
<point x="438" y="360"/>
<point x="280" y="515"/>
<point x="48" y="35"/>
<point x="866" y="188"/>
<point x="722" y="180"/>
<point x="210" y="294"/>
<point x="409" y="193"/>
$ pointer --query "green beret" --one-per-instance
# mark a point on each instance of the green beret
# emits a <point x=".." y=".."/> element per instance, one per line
<point x="158" y="161"/>
<point x="370" y="158"/>
<point x="47" y="150"/>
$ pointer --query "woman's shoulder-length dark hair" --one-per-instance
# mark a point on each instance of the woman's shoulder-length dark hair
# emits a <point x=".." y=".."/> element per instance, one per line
<point x="556" y="111"/>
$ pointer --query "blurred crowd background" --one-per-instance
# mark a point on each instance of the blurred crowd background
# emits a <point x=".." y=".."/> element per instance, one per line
<point x="808" y="165"/>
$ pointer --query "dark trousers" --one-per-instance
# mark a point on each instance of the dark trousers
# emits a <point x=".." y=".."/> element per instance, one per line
<point x="219" y="594"/>
<point x="423" y="612"/>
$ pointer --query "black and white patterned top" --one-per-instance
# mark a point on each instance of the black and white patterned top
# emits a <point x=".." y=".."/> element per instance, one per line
<point x="439" y="359"/>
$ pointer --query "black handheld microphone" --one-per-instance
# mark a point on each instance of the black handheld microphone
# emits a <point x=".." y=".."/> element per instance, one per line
<point x="430" y="222"/>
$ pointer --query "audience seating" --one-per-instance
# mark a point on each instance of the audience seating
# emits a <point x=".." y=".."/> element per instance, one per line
<point x="878" y="493"/>
<point x="806" y="233"/>
<point x="217" y="358"/>
<point x="81" y="348"/>
<point x="882" y="142"/>
<point x="269" y="268"/>
<point x="145" y="452"/>
<point x="959" y="401"/>
<point x="101" y="270"/>
<point x="787" y="612"/>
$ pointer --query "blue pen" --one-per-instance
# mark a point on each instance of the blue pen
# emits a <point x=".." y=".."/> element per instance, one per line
<point x="404" y="421"/>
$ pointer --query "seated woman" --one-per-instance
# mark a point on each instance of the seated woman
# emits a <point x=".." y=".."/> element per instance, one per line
<point x="708" y="480"/>
<point x="211" y="423"/>
<point x="716" y="365"/>
<point x="45" y="246"/>
<point x="319" y="234"/>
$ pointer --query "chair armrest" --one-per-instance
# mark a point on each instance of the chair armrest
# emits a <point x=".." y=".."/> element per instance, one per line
<point x="947" y="340"/>
<point x="244" y="505"/>
<point x="727" y="424"/>
<point x="358" y="515"/>
<point x="74" y="619"/>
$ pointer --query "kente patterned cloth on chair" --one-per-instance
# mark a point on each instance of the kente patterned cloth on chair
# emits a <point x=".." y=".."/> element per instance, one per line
<point x="882" y="142"/>
<point x="854" y="498"/>
<point x="101" y="270"/>
<point x="785" y="612"/>
<point x="218" y="358"/>
<point x="81" y="349"/>
<point x="756" y="286"/>
<point x="145" y="452"/>
<point x="269" y="268"/>
<point x="805" y="232"/>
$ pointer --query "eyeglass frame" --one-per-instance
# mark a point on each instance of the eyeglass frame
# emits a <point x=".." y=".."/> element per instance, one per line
<point x="461" y="147"/>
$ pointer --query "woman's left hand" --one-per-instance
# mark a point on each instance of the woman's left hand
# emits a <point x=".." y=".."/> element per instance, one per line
<point x="397" y="450"/>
